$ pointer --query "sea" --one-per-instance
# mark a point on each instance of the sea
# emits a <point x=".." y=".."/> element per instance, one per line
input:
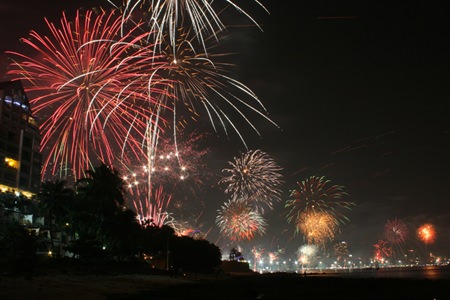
<point x="424" y="272"/>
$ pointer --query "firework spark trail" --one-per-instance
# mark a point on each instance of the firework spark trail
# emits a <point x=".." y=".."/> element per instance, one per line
<point x="318" y="227"/>
<point x="382" y="250"/>
<point x="201" y="82"/>
<point x="273" y="257"/>
<point x="185" y="228"/>
<point x="154" y="212"/>
<point x="257" y="255"/>
<point x="165" y="17"/>
<point x="306" y="253"/>
<point x="184" y="160"/>
<point x="93" y="91"/>
<point x="195" y="76"/>
<point x="426" y="233"/>
<point x="238" y="221"/>
<point x="179" y="172"/>
<point x="255" y="178"/>
<point x="314" y="195"/>
<point x="176" y="167"/>
<point x="396" y="233"/>
<point x="340" y="249"/>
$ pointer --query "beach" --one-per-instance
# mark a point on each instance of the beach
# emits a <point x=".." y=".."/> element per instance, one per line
<point x="226" y="286"/>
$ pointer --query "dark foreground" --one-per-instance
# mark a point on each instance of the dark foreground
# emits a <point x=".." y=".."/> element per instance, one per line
<point x="249" y="286"/>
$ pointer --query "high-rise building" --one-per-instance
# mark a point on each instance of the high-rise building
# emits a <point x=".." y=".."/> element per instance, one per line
<point x="20" y="157"/>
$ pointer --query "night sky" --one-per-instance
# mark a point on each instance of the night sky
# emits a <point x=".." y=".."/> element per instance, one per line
<point x="360" y="91"/>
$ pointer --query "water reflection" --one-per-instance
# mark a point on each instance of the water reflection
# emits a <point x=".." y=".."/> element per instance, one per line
<point x="428" y="272"/>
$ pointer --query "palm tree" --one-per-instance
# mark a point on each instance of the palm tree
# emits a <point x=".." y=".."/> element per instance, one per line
<point x="54" y="202"/>
<point x="103" y="187"/>
<point x="99" y="200"/>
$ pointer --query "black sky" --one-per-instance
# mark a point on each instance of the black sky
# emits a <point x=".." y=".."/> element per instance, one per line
<point x="360" y="90"/>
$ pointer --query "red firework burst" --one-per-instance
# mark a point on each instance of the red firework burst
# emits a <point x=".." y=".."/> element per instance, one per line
<point x="93" y="91"/>
<point x="426" y="233"/>
<point x="395" y="231"/>
<point x="238" y="221"/>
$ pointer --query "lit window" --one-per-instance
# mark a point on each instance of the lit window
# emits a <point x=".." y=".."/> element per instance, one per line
<point x="12" y="162"/>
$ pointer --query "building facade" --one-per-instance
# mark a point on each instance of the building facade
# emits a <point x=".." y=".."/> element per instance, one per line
<point x="20" y="157"/>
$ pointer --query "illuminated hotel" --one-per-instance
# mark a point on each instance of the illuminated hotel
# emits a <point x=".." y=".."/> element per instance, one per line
<point x="19" y="142"/>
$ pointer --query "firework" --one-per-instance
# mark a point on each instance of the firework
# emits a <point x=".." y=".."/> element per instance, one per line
<point x="314" y="195"/>
<point x="199" y="76"/>
<point x="254" y="177"/>
<point x="179" y="168"/>
<point x="173" y="162"/>
<point x="167" y="16"/>
<point x="382" y="250"/>
<point x="317" y="227"/>
<point x="395" y="231"/>
<point x="184" y="228"/>
<point x="153" y="212"/>
<point x="94" y="90"/>
<point x="203" y="83"/>
<point x="340" y="249"/>
<point x="273" y="256"/>
<point x="426" y="233"/>
<point x="306" y="253"/>
<point x="238" y="221"/>
<point x="257" y="255"/>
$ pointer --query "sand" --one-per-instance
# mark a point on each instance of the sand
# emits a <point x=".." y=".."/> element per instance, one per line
<point x="229" y="286"/>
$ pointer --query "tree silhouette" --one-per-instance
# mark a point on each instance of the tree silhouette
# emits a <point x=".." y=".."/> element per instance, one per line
<point x="54" y="200"/>
<point x="99" y="201"/>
